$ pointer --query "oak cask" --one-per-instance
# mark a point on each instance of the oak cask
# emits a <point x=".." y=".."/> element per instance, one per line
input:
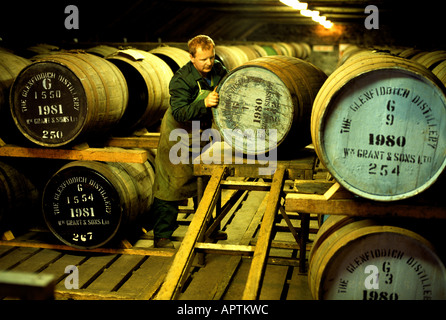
<point x="67" y="95"/>
<point x="379" y="126"/>
<point x="273" y="92"/>
<point x="365" y="260"/>
<point x="148" y="79"/>
<point x="86" y="204"/>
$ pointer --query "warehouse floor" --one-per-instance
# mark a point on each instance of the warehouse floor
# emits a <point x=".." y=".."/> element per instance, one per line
<point x="138" y="276"/>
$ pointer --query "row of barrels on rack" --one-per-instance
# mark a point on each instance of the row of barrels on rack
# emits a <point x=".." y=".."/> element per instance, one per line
<point x="70" y="96"/>
<point x="378" y="123"/>
<point x="378" y="126"/>
<point x="62" y="97"/>
<point x="434" y="60"/>
<point x="231" y="55"/>
<point x="85" y="204"/>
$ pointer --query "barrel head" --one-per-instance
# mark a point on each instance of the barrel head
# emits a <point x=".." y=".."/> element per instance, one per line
<point x="254" y="103"/>
<point x="382" y="135"/>
<point x="81" y="207"/>
<point x="48" y="103"/>
<point x="383" y="263"/>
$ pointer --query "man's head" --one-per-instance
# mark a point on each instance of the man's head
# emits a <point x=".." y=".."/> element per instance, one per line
<point x="202" y="53"/>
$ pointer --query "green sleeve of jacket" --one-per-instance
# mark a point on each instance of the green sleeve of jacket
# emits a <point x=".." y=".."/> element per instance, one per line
<point x="182" y="100"/>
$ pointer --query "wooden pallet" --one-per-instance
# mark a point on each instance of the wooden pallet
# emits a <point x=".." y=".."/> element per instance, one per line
<point x="110" y="274"/>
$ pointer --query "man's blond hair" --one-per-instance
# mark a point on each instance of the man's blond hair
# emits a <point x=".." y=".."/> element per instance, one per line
<point x="202" y="41"/>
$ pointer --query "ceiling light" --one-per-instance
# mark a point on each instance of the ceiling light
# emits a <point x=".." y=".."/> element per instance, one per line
<point x="327" y="24"/>
<point x="314" y="13"/>
<point x="319" y="19"/>
<point x="301" y="6"/>
<point x="295" y="4"/>
<point x="306" y="13"/>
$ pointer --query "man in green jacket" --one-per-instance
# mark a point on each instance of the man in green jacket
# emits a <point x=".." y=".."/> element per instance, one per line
<point x="192" y="96"/>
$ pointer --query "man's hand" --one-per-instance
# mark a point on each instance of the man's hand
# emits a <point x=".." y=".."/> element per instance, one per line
<point x="212" y="99"/>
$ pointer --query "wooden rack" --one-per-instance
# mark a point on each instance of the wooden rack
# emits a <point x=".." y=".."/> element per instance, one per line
<point x="337" y="201"/>
<point x="195" y="238"/>
<point x="116" y="149"/>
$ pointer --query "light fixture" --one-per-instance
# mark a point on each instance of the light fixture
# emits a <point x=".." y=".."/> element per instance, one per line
<point x="306" y="13"/>
<point x="327" y="24"/>
<point x="313" y="14"/>
<point x="319" y="19"/>
<point x="295" y="4"/>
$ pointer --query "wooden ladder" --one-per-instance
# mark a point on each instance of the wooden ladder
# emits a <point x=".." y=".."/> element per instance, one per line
<point x="177" y="274"/>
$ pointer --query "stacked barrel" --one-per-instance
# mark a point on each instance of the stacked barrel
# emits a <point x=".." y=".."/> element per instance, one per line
<point x="379" y="127"/>
<point x="377" y="124"/>
<point x="60" y="98"/>
<point x="233" y="56"/>
<point x="366" y="259"/>
<point x="66" y="97"/>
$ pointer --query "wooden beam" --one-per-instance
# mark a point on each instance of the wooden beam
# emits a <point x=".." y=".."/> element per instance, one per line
<point x="91" y="154"/>
<point x="148" y="141"/>
<point x="230" y="249"/>
<point x="258" y="264"/>
<point x="183" y="259"/>
<point x="135" y="251"/>
<point x="308" y="203"/>
<point x="289" y="224"/>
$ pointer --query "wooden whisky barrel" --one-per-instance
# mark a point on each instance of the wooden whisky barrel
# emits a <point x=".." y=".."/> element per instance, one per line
<point x="269" y="50"/>
<point x="286" y="49"/>
<point x="261" y="52"/>
<point x="379" y="126"/>
<point x="148" y="79"/>
<point x="18" y="198"/>
<point x="250" y="52"/>
<point x="230" y="56"/>
<point x="274" y="92"/>
<point x="303" y="50"/>
<point x="64" y="96"/>
<point x="409" y="53"/>
<point x="440" y="71"/>
<point x="363" y="260"/>
<point x="102" y="50"/>
<point x="431" y="59"/>
<point x="10" y="66"/>
<point x="86" y="204"/>
<point x="299" y="50"/>
<point x="174" y="57"/>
